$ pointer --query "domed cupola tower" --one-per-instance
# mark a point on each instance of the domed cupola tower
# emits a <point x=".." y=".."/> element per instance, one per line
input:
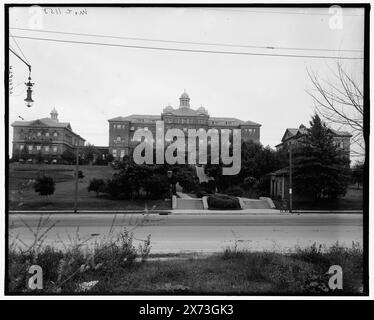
<point x="54" y="115"/>
<point x="184" y="100"/>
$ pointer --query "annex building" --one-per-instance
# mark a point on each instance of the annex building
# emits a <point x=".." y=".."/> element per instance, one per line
<point x="47" y="137"/>
<point x="183" y="117"/>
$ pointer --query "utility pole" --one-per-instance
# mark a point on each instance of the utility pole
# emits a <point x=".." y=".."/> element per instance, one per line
<point x="290" y="177"/>
<point x="76" y="180"/>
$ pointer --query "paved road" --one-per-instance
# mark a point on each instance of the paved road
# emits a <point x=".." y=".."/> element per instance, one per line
<point x="192" y="233"/>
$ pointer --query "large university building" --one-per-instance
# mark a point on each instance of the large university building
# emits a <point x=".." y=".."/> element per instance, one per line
<point x="47" y="136"/>
<point x="121" y="129"/>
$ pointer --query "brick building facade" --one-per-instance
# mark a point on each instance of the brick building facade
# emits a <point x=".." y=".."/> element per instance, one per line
<point x="121" y="129"/>
<point x="279" y="180"/>
<point x="46" y="136"/>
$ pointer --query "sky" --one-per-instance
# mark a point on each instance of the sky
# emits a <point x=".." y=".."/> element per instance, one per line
<point x="89" y="84"/>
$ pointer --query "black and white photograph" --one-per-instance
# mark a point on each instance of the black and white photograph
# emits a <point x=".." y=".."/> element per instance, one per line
<point x="186" y="150"/>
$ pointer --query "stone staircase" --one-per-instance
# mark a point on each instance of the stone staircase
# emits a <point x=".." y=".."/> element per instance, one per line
<point x="189" y="203"/>
<point x="200" y="172"/>
<point x="255" y="204"/>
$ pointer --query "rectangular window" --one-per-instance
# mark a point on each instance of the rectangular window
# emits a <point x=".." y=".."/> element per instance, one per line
<point x="47" y="134"/>
<point x="39" y="134"/>
<point x="114" y="152"/>
<point x="21" y="146"/>
<point x="46" y="148"/>
<point x="122" y="153"/>
<point x="30" y="148"/>
<point x="118" y="139"/>
<point x="38" y="148"/>
<point x="54" y="148"/>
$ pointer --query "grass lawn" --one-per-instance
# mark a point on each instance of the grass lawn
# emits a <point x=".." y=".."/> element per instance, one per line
<point x="63" y="197"/>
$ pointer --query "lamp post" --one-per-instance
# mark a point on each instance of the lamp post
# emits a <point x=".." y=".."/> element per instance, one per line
<point x="170" y="176"/>
<point x="76" y="180"/>
<point x="29" y="101"/>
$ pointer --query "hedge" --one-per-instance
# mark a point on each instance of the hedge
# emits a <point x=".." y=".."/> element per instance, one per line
<point x="223" y="202"/>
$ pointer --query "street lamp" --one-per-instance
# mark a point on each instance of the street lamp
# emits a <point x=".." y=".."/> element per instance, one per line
<point x="28" y="100"/>
<point x="170" y="176"/>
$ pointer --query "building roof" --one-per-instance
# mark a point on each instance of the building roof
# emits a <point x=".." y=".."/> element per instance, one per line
<point x="340" y="133"/>
<point x="47" y="122"/>
<point x="184" y="95"/>
<point x="280" y="172"/>
<point x="183" y="111"/>
<point x="44" y="121"/>
<point x="234" y="120"/>
<point x="136" y="117"/>
<point x="292" y="132"/>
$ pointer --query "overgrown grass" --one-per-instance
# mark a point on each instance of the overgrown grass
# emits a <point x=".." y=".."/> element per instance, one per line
<point x="118" y="267"/>
<point x="65" y="270"/>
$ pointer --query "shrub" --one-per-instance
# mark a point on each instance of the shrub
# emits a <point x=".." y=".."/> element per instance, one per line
<point x="201" y="193"/>
<point x="80" y="174"/>
<point x="209" y="187"/>
<point x="234" y="191"/>
<point x="96" y="185"/>
<point x="249" y="182"/>
<point x="45" y="186"/>
<point x="223" y="202"/>
<point x="262" y="187"/>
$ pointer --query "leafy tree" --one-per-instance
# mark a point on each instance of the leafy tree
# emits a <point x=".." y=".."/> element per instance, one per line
<point x="320" y="168"/>
<point x="44" y="185"/>
<point x="358" y="173"/>
<point x="39" y="157"/>
<point x="24" y="153"/>
<point x="256" y="162"/>
<point x="88" y="152"/>
<point x="15" y="156"/>
<point x="156" y="186"/>
<point x="80" y="174"/>
<point x="109" y="157"/>
<point x="69" y="156"/>
<point x="97" y="185"/>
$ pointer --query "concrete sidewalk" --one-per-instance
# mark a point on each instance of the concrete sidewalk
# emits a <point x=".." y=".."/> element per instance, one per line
<point x="188" y="212"/>
<point x="226" y="212"/>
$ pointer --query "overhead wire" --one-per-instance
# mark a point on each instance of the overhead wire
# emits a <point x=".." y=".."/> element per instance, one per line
<point x="271" y="47"/>
<point x="190" y="50"/>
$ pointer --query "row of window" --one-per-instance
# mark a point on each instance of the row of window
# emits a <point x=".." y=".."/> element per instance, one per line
<point x="250" y="131"/>
<point x="185" y="120"/>
<point x="39" y="134"/>
<point x="222" y="122"/>
<point x="38" y="148"/>
<point x="121" y="153"/>
<point x="119" y="126"/>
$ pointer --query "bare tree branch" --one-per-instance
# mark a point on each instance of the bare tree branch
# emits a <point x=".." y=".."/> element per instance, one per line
<point x="340" y="102"/>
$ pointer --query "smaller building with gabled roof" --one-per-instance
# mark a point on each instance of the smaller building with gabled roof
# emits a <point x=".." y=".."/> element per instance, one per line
<point x="47" y="137"/>
<point x="341" y="138"/>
